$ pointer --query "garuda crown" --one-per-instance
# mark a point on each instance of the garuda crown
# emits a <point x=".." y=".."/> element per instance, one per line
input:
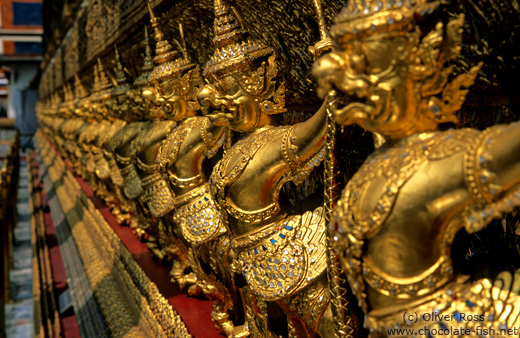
<point x="79" y="91"/>
<point x="102" y="86"/>
<point x="168" y="62"/>
<point x="234" y="50"/>
<point x="367" y="18"/>
<point x="142" y="80"/>
<point x="245" y="60"/>
<point x="121" y="78"/>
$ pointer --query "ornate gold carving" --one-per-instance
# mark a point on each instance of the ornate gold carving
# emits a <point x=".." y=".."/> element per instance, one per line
<point x="157" y="195"/>
<point x="395" y="70"/>
<point x="447" y="180"/>
<point x="281" y="258"/>
<point x="243" y="94"/>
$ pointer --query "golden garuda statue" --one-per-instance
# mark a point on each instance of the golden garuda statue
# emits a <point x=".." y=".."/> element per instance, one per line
<point x="280" y="254"/>
<point x="127" y="104"/>
<point x="397" y="218"/>
<point x="183" y="158"/>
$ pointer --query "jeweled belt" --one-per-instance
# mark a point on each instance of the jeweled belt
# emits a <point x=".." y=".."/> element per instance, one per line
<point x="280" y="259"/>
<point x="157" y="195"/>
<point x="431" y="279"/>
<point x="198" y="217"/>
<point x="460" y="308"/>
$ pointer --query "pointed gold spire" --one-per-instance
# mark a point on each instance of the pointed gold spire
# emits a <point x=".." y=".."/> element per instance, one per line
<point x="71" y="93"/>
<point x="65" y="105"/>
<point x="234" y="48"/>
<point x="67" y="93"/>
<point x="121" y="78"/>
<point x="55" y="100"/>
<point x="120" y="73"/>
<point x="80" y="91"/>
<point x="168" y="64"/>
<point x="163" y="49"/>
<point x="95" y="86"/>
<point x="104" y="83"/>
<point x="147" y="63"/>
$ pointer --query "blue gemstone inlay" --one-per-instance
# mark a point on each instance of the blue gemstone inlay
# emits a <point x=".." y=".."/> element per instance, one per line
<point x="281" y="235"/>
<point x="264" y="248"/>
<point x="470" y="304"/>
<point x="288" y="227"/>
<point x="273" y="241"/>
<point x="255" y="251"/>
<point x="206" y="199"/>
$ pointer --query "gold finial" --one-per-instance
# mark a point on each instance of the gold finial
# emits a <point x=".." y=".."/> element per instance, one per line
<point x="80" y="92"/>
<point x="71" y="93"/>
<point x="163" y="49"/>
<point x="67" y="92"/>
<point x="55" y="100"/>
<point x="58" y="99"/>
<point x="120" y="73"/>
<point x="167" y="63"/>
<point x="95" y="86"/>
<point x="234" y="49"/>
<point x="121" y="78"/>
<point x="68" y="96"/>
<point x="103" y="80"/>
<point x="142" y="79"/>
<point x="366" y="18"/>
<point x="148" y="62"/>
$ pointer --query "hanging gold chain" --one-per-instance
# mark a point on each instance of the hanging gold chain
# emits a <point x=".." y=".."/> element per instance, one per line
<point x="340" y="312"/>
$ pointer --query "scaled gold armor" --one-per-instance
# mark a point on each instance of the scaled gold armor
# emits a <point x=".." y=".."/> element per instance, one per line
<point x="282" y="257"/>
<point x="157" y="196"/>
<point x="399" y="214"/>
